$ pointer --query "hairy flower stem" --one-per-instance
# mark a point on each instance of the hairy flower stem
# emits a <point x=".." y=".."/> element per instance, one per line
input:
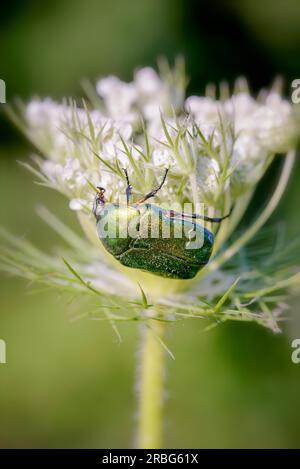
<point x="151" y="387"/>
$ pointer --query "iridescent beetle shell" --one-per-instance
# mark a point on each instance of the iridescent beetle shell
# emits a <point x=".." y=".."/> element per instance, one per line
<point x="144" y="236"/>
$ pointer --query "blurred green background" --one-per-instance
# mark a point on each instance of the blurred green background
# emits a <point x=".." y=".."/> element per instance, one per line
<point x="70" y="384"/>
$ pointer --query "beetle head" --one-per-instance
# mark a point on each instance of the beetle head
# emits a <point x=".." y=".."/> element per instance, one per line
<point x="99" y="201"/>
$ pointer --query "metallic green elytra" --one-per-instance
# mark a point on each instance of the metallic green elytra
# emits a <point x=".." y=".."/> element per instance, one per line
<point x="146" y="237"/>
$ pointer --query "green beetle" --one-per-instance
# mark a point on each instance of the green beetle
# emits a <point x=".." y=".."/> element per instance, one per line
<point x="146" y="237"/>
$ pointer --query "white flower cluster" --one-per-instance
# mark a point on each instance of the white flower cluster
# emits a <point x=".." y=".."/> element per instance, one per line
<point x="63" y="134"/>
<point x="145" y="96"/>
<point x="218" y="145"/>
<point x="246" y="134"/>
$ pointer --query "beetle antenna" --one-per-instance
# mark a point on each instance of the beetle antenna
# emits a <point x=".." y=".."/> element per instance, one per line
<point x="129" y="187"/>
<point x="154" y="191"/>
<point x="126" y="175"/>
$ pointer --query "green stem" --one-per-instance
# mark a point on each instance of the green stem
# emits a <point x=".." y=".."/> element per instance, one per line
<point x="151" y="387"/>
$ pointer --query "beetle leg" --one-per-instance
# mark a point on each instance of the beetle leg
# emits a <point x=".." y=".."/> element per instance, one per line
<point x="128" y="188"/>
<point x="172" y="214"/>
<point x="154" y="191"/>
